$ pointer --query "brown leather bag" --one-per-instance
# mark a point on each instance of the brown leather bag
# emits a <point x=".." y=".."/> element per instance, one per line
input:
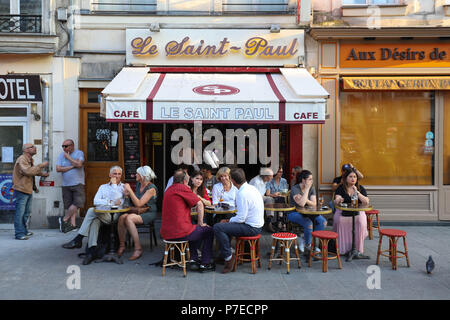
<point x="138" y="210"/>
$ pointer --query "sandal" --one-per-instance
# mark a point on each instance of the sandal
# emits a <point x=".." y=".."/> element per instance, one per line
<point x="136" y="254"/>
<point x="121" y="249"/>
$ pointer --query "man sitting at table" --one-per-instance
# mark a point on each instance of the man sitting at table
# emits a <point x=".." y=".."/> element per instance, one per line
<point x="176" y="221"/>
<point x="107" y="194"/>
<point x="248" y="221"/>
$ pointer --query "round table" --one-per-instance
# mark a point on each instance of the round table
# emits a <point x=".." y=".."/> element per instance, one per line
<point x="354" y="211"/>
<point x="279" y="207"/>
<point x="111" y="256"/>
<point x="314" y="211"/>
<point x="218" y="211"/>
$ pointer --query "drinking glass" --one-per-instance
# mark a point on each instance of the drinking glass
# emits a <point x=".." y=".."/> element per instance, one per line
<point x="321" y="201"/>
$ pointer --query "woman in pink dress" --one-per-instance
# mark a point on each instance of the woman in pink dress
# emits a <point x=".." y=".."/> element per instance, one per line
<point x="343" y="225"/>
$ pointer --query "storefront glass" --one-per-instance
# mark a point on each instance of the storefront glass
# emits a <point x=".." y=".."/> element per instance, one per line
<point x="389" y="136"/>
<point x="447" y="138"/>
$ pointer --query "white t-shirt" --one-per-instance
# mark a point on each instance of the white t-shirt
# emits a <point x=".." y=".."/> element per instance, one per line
<point x="250" y="207"/>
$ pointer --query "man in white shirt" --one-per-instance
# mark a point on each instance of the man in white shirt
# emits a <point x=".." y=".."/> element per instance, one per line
<point x="248" y="221"/>
<point x="260" y="183"/>
<point x="111" y="193"/>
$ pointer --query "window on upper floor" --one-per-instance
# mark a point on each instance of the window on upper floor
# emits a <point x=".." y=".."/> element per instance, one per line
<point x="371" y="2"/>
<point x="20" y="15"/>
<point x="266" y="6"/>
<point x="124" y="5"/>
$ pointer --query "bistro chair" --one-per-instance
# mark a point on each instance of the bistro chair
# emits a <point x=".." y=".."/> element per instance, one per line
<point x="285" y="240"/>
<point x="240" y="254"/>
<point x="324" y="237"/>
<point x="169" y="255"/>
<point x="151" y="232"/>
<point x="394" y="235"/>
<point x="370" y="214"/>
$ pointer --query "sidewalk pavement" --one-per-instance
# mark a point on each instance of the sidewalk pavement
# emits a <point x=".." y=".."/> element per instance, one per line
<point x="40" y="268"/>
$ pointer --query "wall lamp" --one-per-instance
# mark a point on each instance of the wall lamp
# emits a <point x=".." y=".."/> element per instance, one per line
<point x="154" y="27"/>
<point x="275" y="28"/>
<point x="34" y="112"/>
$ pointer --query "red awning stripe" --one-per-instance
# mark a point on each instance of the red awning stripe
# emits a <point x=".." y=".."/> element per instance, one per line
<point x="152" y="95"/>
<point x="282" y="103"/>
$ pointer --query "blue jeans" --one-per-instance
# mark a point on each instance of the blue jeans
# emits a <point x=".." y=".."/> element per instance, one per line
<point x="224" y="232"/>
<point x="200" y="235"/>
<point x="307" y="223"/>
<point x="23" y="211"/>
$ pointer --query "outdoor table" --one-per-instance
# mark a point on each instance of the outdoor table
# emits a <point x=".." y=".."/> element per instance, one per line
<point x="218" y="211"/>
<point x="111" y="256"/>
<point x="279" y="207"/>
<point x="314" y="211"/>
<point x="354" y="211"/>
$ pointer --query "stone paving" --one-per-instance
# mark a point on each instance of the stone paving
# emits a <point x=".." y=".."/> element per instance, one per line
<point x="40" y="268"/>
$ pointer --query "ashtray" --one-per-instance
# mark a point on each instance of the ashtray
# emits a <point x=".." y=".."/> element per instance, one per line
<point x="343" y="205"/>
<point x="325" y="208"/>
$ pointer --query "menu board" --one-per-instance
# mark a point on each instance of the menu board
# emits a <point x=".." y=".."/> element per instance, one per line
<point x="131" y="146"/>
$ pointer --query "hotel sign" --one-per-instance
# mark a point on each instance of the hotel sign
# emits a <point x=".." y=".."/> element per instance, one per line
<point x="212" y="47"/>
<point x="396" y="83"/>
<point x="20" y="88"/>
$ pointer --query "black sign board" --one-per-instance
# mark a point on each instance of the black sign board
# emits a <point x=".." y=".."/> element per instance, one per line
<point x="20" y="88"/>
<point x="131" y="146"/>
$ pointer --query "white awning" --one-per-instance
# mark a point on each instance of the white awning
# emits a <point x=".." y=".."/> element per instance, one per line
<point x="292" y="96"/>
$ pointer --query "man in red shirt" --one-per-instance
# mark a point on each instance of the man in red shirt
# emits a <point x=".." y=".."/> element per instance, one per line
<point x="176" y="221"/>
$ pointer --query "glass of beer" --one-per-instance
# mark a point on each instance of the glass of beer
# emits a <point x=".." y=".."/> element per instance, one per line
<point x="320" y="201"/>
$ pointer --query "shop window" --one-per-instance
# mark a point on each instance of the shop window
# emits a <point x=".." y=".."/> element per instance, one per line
<point x="103" y="142"/>
<point x="389" y="136"/>
<point x="447" y="138"/>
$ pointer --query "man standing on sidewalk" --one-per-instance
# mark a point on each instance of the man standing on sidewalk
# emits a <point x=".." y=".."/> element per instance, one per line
<point x="70" y="164"/>
<point x="24" y="185"/>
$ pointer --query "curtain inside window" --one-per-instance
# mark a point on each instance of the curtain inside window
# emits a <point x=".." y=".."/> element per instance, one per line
<point x="447" y="138"/>
<point x="384" y="135"/>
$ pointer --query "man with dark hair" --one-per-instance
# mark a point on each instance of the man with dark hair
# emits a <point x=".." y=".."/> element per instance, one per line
<point x="248" y="221"/>
<point x="176" y="221"/>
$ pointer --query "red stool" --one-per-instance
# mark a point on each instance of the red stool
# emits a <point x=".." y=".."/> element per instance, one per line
<point x="324" y="237"/>
<point x="394" y="235"/>
<point x="254" y="252"/>
<point x="369" y="215"/>
<point x="286" y="240"/>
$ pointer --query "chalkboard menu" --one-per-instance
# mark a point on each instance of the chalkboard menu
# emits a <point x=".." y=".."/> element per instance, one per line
<point x="131" y="146"/>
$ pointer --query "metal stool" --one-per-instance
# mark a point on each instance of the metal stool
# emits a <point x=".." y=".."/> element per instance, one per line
<point x="369" y="215"/>
<point x="183" y="247"/>
<point x="286" y="240"/>
<point x="254" y="252"/>
<point x="324" y="237"/>
<point x="394" y="235"/>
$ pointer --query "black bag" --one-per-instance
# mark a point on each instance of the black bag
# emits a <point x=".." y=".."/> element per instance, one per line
<point x="103" y="242"/>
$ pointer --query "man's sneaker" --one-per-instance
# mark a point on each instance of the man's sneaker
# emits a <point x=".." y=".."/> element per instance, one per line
<point x="301" y="245"/>
<point x="317" y="249"/>
<point x="29" y="233"/>
<point x="22" y="238"/>
<point x="67" y="226"/>
<point x="207" y="267"/>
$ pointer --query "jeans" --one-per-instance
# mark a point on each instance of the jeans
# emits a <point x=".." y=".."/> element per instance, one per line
<point x="23" y="211"/>
<point x="199" y="235"/>
<point x="307" y="223"/>
<point x="224" y="232"/>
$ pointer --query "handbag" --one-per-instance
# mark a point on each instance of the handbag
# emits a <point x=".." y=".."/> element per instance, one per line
<point x="138" y="210"/>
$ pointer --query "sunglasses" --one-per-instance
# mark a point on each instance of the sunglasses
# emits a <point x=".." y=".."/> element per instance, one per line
<point x="66" y="145"/>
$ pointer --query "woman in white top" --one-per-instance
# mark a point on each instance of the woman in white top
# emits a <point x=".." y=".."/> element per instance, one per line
<point x="224" y="191"/>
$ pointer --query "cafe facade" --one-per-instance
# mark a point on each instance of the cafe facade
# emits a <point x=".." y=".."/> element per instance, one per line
<point x="389" y="116"/>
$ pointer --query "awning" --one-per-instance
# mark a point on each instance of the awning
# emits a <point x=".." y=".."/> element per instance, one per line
<point x="292" y="96"/>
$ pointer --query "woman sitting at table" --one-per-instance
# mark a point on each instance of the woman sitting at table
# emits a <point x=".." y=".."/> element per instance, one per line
<point x="145" y="195"/>
<point x="343" y="225"/>
<point x="224" y="191"/>
<point x="196" y="183"/>
<point x="302" y="195"/>
<point x="277" y="186"/>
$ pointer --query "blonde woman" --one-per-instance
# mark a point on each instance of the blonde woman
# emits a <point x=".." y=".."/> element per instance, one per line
<point x="145" y="195"/>
<point x="224" y="191"/>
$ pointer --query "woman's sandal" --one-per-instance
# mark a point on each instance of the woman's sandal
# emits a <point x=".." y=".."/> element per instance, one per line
<point x="136" y="254"/>
<point x="121" y="250"/>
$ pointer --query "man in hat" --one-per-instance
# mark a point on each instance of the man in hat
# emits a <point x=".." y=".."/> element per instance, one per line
<point x="260" y="183"/>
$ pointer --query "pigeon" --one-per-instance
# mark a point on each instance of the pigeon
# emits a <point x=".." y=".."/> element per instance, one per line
<point x="430" y="265"/>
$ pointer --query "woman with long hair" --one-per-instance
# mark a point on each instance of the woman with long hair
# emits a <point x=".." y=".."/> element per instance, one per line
<point x="144" y="196"/>
<point x="197" y="185"/>
<point x="343" y="225"/>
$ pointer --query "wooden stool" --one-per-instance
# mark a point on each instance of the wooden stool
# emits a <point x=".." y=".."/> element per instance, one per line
<point x="394" y="235"/>
<point x="324" y="237"/>
<point x="286" y="240"/>
<point x="369" y="215"/>
<point x="254" y="252"/>
<point x="182" y="246"/>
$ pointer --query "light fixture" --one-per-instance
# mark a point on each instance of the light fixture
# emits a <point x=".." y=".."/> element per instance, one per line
<point x="312" y="71"/>
<point x="154" y="27"/>
<point x="275" y="28"/>
<point x="34" y="112"/>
